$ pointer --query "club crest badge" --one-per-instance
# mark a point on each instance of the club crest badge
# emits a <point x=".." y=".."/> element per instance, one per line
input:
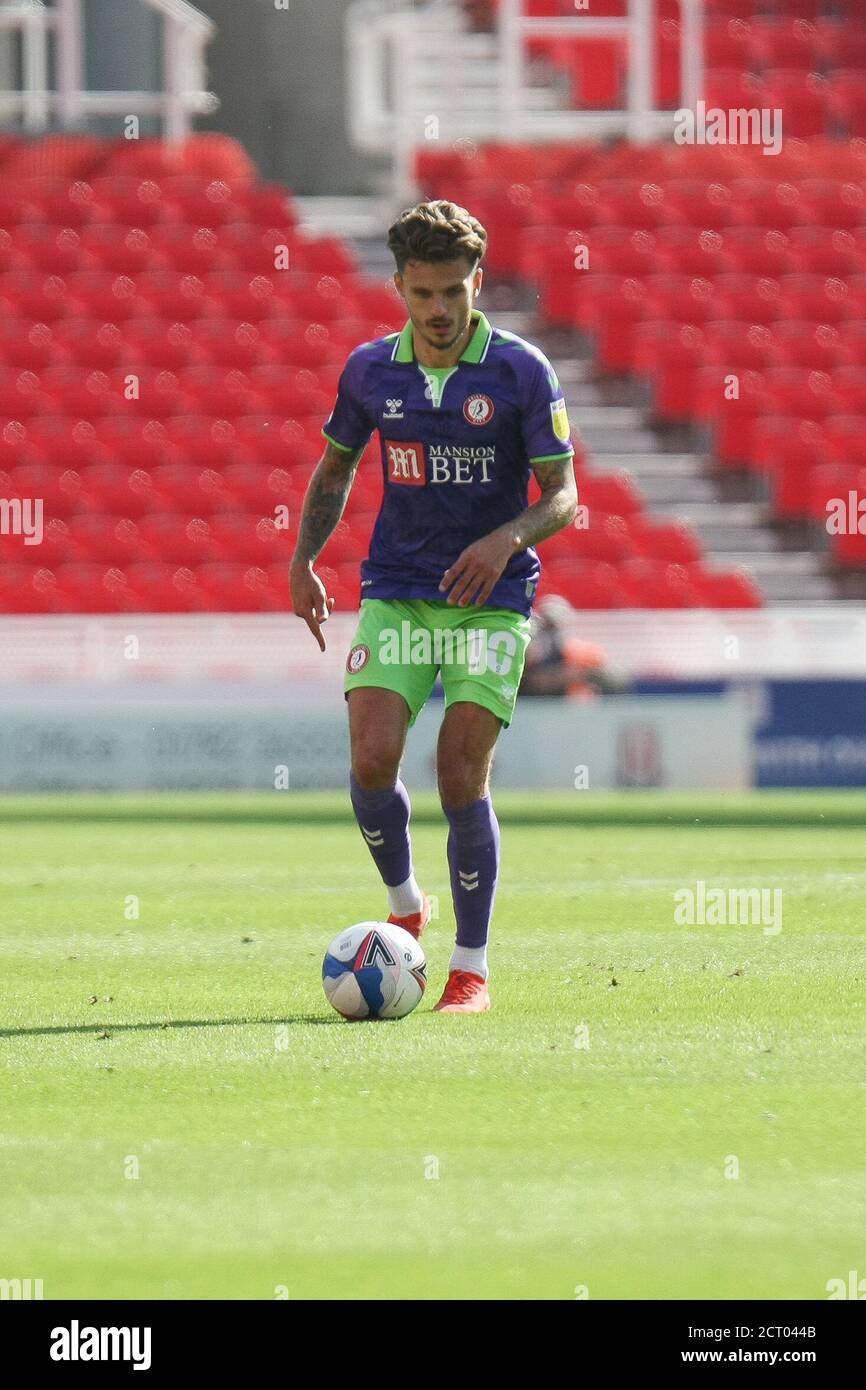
<point x="357" y="659"/>
<point x="478" y="409"/>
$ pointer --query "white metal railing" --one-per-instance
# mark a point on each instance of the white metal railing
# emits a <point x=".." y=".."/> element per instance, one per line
<point x="186" y="31"/>
<point x="405" y="65"/>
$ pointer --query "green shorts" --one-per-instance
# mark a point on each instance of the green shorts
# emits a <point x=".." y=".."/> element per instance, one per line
<point x="403" y="644"/>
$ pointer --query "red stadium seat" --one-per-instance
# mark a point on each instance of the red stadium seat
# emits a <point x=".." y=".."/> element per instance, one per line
<point x="220" y="391"/>
<point x="96" y="294"/>
<point x="728" y="407"/>
<point x="135" y="441"/>
<point x="785" y="450"/>
<point x="726" y="42"/>
<point x="275" y="441"/>
<point x="664" y="540"/>
<point x="175" y="296"/>
<point x="845" y="439"/>
<point x="203" y="203"/>
<point x="824" y="299"/>
<point x="585" y="585"/>
<point x="765" y="202"/>
<point x="120" y="250"/>
<point x="685" y="298"/>
<point x="835" y="203"/>
<point x="758" y="298"/>
<point x="189" y="250"/>
<point x="177" y="538"/>
<point x="252" y="539"/>
<point x="840" y="44"/>
<point x="806" y="344"/>
<point x="118" y="490"/>
<point x="802" y="98"/>
<point x="90" y="587"/>
<point x="159" y="343"/>
<point x="191" y="491"/>
<point x="210" y="442"/>
<point x="50" y="250"/>
<point x="59" y="487"/>
<point x="61" y="156"/>
<point x="658" y="584"/>
<point x="611" y="306"/>
<point x="850" y="382"/>
<point x="22" y="394"/>
<point x="692" y="251"/>
<point x="739" y="344"/>
<point x="606" y="538"/>
<point x="107" y="540"/>
<point x="612" y="493"/>
<point x="670" y="354"/>
<point x="227" y="343"/>
<point x="31" y="346"/>
<point x="130" y="201"/>
<point x="732" y="88"/>
<point x="90" y="342"/>
<point x="827" y="251"/>
<point x="238" y="588"/>
<point x="632" y="203"/>
<point x="847" y="102"/>
<point x="620" y="250"/>
<point x="760" y="251"/>
<point x="297" y="343"/>
<point x="729" y="589"/>
<point x="801" y="391"/>
<point x="288" y="393"/>
<point x="165" y="588"/>
<point x="783" y="43"/>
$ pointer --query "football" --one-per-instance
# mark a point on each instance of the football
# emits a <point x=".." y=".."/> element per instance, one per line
<point x="374" y="970"/>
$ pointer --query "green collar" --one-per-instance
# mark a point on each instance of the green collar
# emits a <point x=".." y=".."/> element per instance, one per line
<point x="475" y="350"/>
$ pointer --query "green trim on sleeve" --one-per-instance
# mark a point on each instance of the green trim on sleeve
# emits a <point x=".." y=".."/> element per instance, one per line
<point x="337" y="445"/>
<point x="549" y="458"/>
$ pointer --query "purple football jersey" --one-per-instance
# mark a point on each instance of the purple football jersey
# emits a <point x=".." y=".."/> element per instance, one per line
<point x="456" y="447"/>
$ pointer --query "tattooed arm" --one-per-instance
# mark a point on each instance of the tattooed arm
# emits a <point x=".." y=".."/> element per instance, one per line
<point x="479" y="567"/>
<point x="325" y="499"/>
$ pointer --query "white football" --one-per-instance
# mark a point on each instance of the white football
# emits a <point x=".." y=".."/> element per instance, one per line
<point x="374" y="970"/>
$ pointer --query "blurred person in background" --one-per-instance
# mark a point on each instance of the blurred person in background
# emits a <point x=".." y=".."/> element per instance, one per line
<point x="559" y="664"/>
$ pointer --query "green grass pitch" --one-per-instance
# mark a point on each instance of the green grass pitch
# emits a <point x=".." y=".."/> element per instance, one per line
<point x="183" y="1116"/>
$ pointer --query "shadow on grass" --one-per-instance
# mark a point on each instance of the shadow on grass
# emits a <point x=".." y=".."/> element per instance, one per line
<point x="164" y="1027"/>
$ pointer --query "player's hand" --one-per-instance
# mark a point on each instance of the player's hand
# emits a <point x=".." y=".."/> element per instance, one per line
<point x="309" y="599"/>
<point x="475" y="572"/>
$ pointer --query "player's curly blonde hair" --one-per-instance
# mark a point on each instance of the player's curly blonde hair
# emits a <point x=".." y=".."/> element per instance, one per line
<point x="437" y="231"/>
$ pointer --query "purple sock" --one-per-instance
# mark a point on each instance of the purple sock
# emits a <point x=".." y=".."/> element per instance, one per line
<point x="384" y="820"/>
<point x="473" y="857"/>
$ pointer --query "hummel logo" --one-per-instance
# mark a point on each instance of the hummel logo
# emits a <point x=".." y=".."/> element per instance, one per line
<point x="394" y="411"/>
<point x="373" y="837"/>
<point x="468" y="881"/>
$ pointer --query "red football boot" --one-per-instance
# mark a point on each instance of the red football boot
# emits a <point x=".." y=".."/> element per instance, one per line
<point x="415" y="923"/>
<point x="464" y="993"/>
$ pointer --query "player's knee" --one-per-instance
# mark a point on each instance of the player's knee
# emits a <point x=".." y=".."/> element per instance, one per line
<point x="375" y="766"/>
<point x="460" y="784"/>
